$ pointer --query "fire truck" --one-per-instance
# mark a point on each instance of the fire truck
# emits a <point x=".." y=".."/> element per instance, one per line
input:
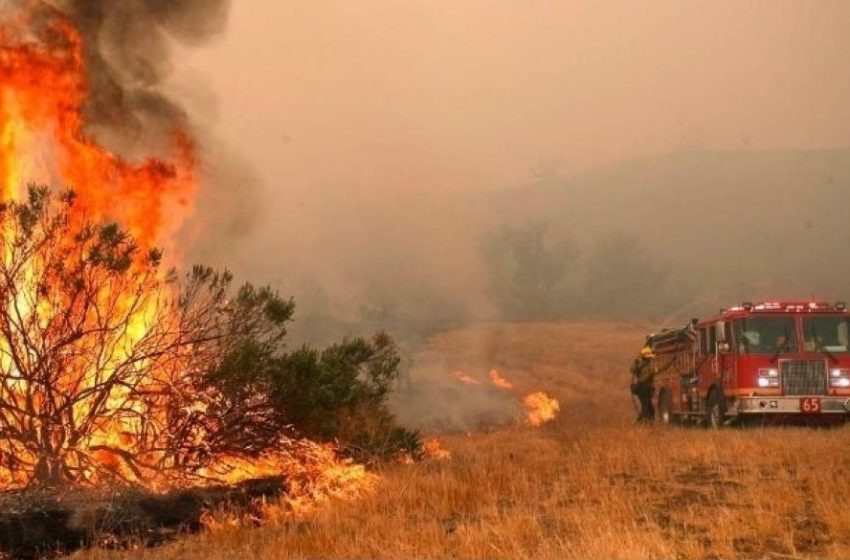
<point x="777" y="360"/>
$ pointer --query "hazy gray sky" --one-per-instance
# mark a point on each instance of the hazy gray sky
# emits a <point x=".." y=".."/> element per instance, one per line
<point x="364" y="119"/>
<point x="416" y="94"/>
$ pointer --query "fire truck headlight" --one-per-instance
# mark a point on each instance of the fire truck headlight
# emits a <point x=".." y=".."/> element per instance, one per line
<point x="839" y="378"/>
<point x="768" y="382"/>
<point x="772" y="372"/>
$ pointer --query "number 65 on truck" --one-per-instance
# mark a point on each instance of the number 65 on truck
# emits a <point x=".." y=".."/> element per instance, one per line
<point x="778" y="360"/>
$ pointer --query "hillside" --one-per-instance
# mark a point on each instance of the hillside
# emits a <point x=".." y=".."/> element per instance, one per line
<point x="590" y="484"/>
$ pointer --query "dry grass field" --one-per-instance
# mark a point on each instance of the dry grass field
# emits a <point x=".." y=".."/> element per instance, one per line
<point x="590" y="484"/>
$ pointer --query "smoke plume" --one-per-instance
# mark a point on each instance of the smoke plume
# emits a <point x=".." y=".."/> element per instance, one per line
<point x="128" y="48"/>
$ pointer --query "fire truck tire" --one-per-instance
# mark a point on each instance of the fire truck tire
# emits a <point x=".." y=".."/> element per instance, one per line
<point x="663" y="415"/>
<point x="715" y="410"/>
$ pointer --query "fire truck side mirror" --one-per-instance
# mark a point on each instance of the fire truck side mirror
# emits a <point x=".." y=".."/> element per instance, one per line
<point x="723" y="347"/>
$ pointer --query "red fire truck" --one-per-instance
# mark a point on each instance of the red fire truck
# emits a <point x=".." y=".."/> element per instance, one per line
<point x="777" y="359"/>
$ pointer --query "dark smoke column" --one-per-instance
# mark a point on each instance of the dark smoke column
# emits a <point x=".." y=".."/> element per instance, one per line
<point x="128" y="57"/>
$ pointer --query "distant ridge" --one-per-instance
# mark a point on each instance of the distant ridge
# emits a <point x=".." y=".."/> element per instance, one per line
<point x="772" y="221"/>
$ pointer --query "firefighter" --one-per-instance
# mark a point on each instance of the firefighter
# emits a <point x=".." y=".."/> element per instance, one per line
<point x="643" y="374"/>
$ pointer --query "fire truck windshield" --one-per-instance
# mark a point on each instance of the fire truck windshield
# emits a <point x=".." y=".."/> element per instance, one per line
<point x="766" y="335"/>
<point x="830" y="334"/>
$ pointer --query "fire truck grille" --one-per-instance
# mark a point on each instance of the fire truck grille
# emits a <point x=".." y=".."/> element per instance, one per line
<point x="803" y="377"/>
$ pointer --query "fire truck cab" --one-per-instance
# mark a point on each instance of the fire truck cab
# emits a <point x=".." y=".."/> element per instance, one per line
<point x="757" y="359"/>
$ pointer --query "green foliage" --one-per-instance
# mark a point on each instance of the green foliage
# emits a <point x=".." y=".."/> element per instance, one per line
<point x="340" y="393"/>
<point x="336" y="394"/>
<point x="113" y="249"/>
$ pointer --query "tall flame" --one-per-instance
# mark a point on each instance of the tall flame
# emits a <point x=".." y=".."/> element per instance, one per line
<point x="42" y="136"/>
<point x="43" y="139"/>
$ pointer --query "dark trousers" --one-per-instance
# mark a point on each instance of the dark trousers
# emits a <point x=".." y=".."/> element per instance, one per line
<point x="644" y="393"/>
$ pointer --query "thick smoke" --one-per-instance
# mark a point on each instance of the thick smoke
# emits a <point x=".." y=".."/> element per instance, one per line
<point x="128" y="48"/>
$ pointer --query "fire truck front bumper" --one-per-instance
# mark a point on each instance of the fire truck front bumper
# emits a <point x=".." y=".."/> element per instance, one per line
<point x="792" y="405"/>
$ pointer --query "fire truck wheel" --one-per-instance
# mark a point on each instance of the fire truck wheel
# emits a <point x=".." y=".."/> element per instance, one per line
<point x="663" y="415"/>
<point x="715" y="412"/>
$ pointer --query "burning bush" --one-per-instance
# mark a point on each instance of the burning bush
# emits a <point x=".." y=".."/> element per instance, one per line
<point x="113" y="369"/>
<point x="101" y="355"/>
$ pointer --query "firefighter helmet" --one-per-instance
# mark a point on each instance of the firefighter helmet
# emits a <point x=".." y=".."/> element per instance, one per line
<point x="646" y="352"/>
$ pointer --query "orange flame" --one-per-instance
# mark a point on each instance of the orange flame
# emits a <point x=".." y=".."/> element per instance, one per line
<point x="313" y="471"/>
<point x="43" y="139"/>
<point x="42" y="136"/>
<point x="464" y="377"/>
<point x="540" y="408"/>
<point x="499" y="381"/>
<point x="433" y="449"/>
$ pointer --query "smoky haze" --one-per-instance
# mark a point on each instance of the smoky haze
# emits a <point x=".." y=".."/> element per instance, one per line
<point x="391" y="140"/>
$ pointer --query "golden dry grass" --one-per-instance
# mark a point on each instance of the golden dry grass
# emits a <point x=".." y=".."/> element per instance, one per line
<point x="589" y="485"/>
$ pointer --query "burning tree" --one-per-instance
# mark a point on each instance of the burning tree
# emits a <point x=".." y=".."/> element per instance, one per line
<point x="112" y="368"/>
<point x="103" y="357"/>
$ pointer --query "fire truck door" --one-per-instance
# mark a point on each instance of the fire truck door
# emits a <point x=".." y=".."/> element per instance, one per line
<point x="707" y="365"/>
<point x="723" y="359"/>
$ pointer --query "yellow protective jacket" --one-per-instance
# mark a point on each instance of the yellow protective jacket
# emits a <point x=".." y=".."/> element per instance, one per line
<point x="644" y="371"/>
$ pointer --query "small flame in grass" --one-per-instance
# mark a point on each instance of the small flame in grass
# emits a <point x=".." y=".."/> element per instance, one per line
<point x="313" y="471"/>
<point x="433" y="449"/>
<point x="464" y="377"/>
<point x="499" y="381"/>
<point x="540" y="408"/>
